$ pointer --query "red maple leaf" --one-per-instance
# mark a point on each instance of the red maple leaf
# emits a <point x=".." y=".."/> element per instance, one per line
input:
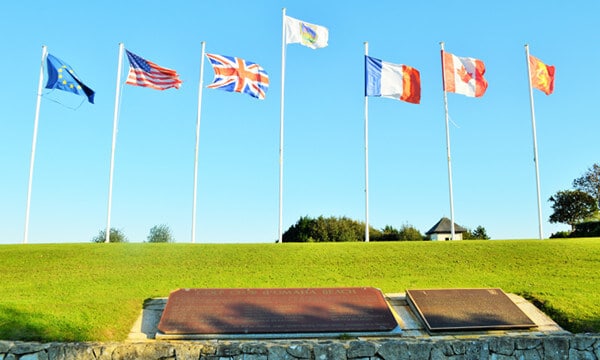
<point x="464" y="75"/>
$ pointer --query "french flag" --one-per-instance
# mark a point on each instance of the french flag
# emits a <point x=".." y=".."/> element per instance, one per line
<point x="393" y="81"/>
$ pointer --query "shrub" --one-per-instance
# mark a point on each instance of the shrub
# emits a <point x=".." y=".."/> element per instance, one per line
<point x="115" y="236"/>
<point x="160" y="234"/>
<point x="560" y="235"/>
<point x="321" y="229"/>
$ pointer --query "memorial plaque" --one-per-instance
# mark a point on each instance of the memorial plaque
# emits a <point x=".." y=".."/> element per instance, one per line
<point x="467" y="309"/>
<point x="279" y="310"/>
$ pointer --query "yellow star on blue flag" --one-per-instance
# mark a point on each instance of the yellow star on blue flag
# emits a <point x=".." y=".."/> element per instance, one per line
<point x="61" y="76"/>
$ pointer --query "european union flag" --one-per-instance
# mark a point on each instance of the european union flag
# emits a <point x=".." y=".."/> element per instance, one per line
<point x="61" y="76"/>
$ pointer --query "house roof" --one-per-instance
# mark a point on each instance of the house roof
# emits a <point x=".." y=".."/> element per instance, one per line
<point x="443" y="226"/>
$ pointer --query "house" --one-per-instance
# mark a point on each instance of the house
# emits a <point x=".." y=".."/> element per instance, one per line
<point x="442" y="231"/>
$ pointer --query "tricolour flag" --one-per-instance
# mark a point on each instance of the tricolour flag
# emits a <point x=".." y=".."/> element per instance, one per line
<point x="238" y="75"/>
<point x="307" y="34"/>
<point x="542" y="75"/>
<point x="61" y="76"/>
<point x="147" y="74"/>
<point x="393" y="81"/>
<point x="463" y="75"/>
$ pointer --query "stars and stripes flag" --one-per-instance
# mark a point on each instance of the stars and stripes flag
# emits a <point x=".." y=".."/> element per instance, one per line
<point x="147" y="74"/>
<point x="238" y="75"/>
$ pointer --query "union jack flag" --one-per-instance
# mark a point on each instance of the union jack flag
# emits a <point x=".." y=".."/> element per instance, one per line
<point x="237" y="75"/>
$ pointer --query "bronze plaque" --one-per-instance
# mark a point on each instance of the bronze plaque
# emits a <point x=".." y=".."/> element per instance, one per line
<point x="467" y="309"/>
<point x="279" y="310"/>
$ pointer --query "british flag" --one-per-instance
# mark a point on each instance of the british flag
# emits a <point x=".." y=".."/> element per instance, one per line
<point x="237" y="75"/>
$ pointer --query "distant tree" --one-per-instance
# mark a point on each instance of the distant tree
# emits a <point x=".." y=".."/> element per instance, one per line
<point x="321" y="229"/>
<point x="300" y="231"/>
<point x="410" y="233"/>
<point x="479" y="233"/>
<point x="560" y="235"/>
<point x="388" y="233"/>
<point x="115" y="236"/>
<point x="589" y="182"/>
<point x="572" y="207"/>
<point x="160" y="234"/>
<point x="587" y="229"/>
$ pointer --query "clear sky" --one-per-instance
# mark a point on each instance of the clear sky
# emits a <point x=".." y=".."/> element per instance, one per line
<point x="238" y="177"/>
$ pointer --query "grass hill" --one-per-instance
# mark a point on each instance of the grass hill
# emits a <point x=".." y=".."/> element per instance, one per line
<point x="76" y="292"/>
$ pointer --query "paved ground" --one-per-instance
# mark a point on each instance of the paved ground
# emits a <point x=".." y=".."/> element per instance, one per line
<point x="145" y="328"/>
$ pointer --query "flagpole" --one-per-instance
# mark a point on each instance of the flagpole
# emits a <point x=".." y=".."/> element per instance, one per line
<point x="197" y="141"/>
<point x="448" y="147"/>
<point x="535" y="151"/>
<point x="283" y="39"/>
<point x="34" y="142"/>
<point x="114" y="139"/>
<point x="366" y="157"/>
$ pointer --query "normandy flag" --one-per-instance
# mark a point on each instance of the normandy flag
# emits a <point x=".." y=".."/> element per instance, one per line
<point x="542" y="75"/>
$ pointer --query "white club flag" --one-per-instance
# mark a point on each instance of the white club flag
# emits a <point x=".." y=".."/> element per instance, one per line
<point x="307" y="34"/>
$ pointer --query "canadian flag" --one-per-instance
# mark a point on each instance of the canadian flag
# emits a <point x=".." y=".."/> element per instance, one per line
<point x="463" y="75"/>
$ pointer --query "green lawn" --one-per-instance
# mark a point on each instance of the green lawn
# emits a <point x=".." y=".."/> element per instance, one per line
<point x="74" y="292"/>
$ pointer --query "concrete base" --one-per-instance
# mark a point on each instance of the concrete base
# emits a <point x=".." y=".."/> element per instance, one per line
<point x="412" y="326"/>
<point x="145" y="328"/>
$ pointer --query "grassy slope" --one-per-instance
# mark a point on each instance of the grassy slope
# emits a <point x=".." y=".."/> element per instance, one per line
<point x="95" y="291"/>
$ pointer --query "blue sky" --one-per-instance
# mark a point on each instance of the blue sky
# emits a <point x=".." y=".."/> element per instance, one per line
<point x="238" y="178"/>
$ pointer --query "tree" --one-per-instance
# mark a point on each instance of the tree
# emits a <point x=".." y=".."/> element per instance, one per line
<point x="116" y="236"/>
<point x="479" y="233"/>
<point x="160" y="234"/>
<point x="589" y="182"/>
<point x="409" y="233"/>
<point x="389" y="233"/>
<point x="321" y="229"/>
<point x="572" y="207"/>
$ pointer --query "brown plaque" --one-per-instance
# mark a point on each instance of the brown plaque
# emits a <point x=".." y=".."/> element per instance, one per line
<point x="467" y="309"/>
<point x="293" y="310"/>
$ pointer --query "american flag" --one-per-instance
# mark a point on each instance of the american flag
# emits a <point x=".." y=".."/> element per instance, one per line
<point x="237" y="75"/>
<point x="146" y="73"/>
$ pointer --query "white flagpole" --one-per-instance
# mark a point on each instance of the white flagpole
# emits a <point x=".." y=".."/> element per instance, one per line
<point x="197" y="142"/>
<point x="34" y="141"/>
<point x="448" y="147"/>
<point x="366" y="157"/>
<point x="535" y="151"/>
<point x="283" y="40"/>
<point x="114" y="139"/>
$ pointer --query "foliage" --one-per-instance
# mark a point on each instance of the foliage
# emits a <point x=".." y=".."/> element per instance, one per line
<point x="478" y="234"/>
<point x="589" y="182"/>
<point x="160" y="234"/>
<point x="572" y="207"/>
<point x="85" y="292"/>
<point x="116" y="236"/>
<point x="321" y="229"/>
<point x="584" y="229"/>
<point x="587" y="229"/>
<point x="410" y="233"/>
<point x="343" y="229"/>
<point x="388" y="233"/>
<point x="560" y="235"/>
